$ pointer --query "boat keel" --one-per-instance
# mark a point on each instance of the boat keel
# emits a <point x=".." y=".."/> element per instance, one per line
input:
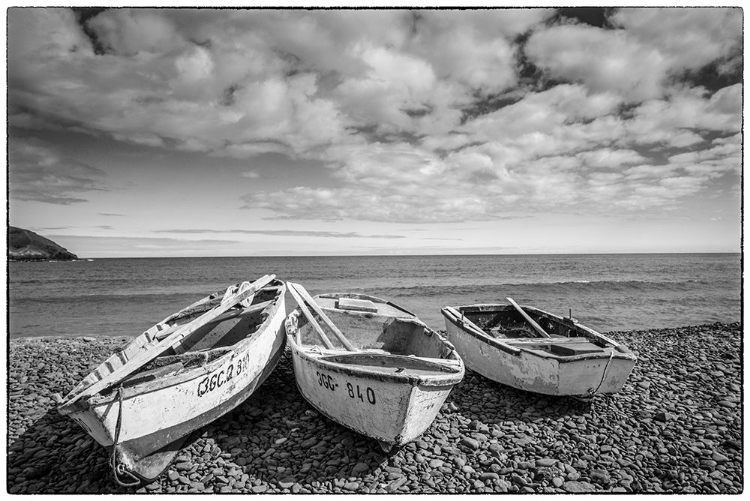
<point x="145" y="469"/>
<point x="385" y="446"/>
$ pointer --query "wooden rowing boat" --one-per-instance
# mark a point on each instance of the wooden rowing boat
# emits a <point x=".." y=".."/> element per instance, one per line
<point x="184" y="372"/>
<point x="533" y="350"/>
<point x="386" y="379"/>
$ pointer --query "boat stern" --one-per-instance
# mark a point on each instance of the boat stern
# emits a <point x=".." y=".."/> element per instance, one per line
<point x="589" y="376"/>
<point x="424" y="405"/>
<point x="390" y="398"/>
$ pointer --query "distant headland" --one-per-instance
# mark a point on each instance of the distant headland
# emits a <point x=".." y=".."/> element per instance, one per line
<point x="25" y="245"/>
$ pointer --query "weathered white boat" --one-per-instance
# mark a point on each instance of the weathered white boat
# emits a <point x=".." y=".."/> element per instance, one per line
<point x="184" y="372"/>
<point x="386" y="379"/>
<point x="533" y="350"/>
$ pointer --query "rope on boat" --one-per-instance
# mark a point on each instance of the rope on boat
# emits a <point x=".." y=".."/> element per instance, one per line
<point x="120" y="469"/>
<point x="604" y="374"/>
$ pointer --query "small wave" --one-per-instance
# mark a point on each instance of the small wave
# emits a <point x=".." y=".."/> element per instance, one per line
<point x="577" y="286"/>
<point x="94" y="299"/>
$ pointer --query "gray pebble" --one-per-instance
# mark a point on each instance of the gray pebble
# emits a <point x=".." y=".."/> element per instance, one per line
<point x="470" y="443"/>
<point x="575" y="487"/>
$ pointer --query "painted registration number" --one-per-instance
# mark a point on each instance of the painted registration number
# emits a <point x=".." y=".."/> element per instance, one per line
<point x="354" y="391"/>
<point x="222" y="376"/>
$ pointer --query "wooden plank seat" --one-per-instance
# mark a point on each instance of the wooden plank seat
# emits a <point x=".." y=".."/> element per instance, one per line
<point x="550" y="340"/>
<point x="347" y="303"/>
<point x="569" y="346"/>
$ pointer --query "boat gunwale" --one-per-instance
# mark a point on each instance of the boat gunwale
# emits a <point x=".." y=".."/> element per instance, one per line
<point x="183" y="375"/>
<point x="618" y="351"/>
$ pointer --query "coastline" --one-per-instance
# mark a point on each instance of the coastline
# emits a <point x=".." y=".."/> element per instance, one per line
<point x="675" y="428"/>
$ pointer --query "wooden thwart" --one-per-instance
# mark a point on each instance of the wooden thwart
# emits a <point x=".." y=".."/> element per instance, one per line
<point x="530" y="320"/>
<point x="141" y="359"/>
<point x="301" y="296"/>
<point x="347" y="303"/>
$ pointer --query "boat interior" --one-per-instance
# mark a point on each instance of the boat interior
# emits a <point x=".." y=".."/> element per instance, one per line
<point x="398" y="336"/>
<point x="201" y="346"/>
<point x="506" y="323"/>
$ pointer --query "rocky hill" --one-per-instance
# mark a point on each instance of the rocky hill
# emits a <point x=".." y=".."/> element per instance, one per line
<point x="25" y="245"/>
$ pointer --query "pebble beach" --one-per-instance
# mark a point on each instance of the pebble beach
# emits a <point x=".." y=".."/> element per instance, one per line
<point x="676" y="427"/>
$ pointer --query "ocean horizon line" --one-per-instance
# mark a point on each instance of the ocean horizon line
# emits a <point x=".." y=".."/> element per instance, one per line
<point x="696" y="253"/>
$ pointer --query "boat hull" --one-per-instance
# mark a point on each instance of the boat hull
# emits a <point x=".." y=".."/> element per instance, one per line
<point x="154" y="415"/>
<point x="392" y="387"/>
<point x="537" y="371"/>
<point x="392" y="411"/>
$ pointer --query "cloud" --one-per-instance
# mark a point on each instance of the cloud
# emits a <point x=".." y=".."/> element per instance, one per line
<point x="650" y="171"/>
<point x="285" y="233"/>
<point x="604" y="60"/>
<point x="128" y="32"/>
<point x="638" y="60"/>
<point x="724" y="157"/>
<point x="151" y="241"/>
<point x="367" y="205"/>
<point x="608" y="158"/>
<point x="38" y="173"/>
<point x="687" y="38"/>
<point x="687" y="110"/>
<point x="62" y="37"/>
<point x="141" y="246"/>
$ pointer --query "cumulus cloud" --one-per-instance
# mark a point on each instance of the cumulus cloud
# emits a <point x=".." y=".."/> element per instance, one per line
<point x="686" y="38"/>
<point x="128" y="32"/>
<point x="601" y="59"/>
<point x="62" y="37"/>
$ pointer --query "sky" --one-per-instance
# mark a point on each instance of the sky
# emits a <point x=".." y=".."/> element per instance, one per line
<point x="197" y="132"/>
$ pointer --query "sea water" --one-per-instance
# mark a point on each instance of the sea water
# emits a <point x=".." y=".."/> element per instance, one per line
<point x="124" y="297"/>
